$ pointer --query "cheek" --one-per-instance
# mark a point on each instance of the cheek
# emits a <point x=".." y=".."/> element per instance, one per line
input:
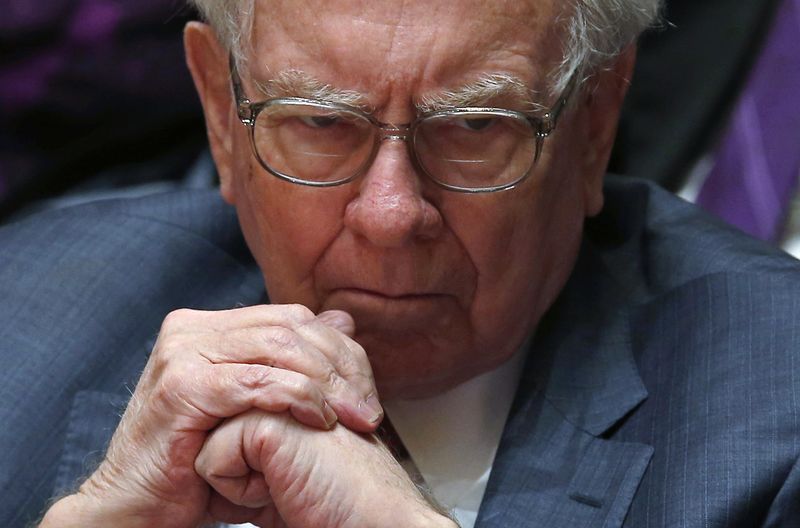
<point x="288" y="228"/>
<point x="524" y="247"/>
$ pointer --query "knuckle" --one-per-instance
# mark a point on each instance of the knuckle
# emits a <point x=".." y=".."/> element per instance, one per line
<point x="332" y="379"/>
<point x="171" y="387"/>
<point x="170" y="345"/>
<point x="254" y="377"/>
<point x="177" y="318"/>
<point x="165" y="355"/>
<point x="356" y="363"/>
<point x="298" y="313"/>
<point x="171" y="380"/>
<point x="351" y="361"/>
<point x="357" y="352"/>
<point x="305" y="388"/>
<point x="279" y="336"/>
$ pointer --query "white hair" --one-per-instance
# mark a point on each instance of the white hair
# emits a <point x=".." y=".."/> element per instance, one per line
<point x="595" y="31"/>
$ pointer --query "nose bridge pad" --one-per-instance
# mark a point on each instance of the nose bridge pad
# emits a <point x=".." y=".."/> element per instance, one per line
<point x="395" y="132"/>
<point x="404" y="132"/>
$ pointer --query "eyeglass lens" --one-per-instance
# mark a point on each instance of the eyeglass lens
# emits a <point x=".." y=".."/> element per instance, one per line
<point x="468" y="149"/>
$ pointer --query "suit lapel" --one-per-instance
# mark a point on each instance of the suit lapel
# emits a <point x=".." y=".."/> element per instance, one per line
<point x="551" y="474"/>
<point x="556" y="465"/>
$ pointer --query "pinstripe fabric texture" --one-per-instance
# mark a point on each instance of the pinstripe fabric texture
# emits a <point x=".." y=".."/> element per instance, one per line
<point x="663" y="388"/>
<point x="83" y="294"/>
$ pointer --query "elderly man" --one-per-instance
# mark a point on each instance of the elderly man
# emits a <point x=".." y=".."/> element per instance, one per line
<point x="413" y="181"/>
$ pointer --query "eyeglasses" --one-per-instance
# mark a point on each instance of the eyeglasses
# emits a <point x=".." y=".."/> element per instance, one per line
<point x="323" y="144"/>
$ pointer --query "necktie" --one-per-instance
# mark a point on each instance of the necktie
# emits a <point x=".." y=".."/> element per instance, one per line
<point x="758" y="161"/>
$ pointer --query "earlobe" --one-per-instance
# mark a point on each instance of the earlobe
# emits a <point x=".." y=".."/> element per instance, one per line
<point x="604" y="98"/>
<point x="208" y="63"/>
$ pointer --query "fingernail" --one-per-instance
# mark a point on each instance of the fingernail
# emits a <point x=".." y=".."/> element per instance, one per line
<point x="371" y="409"/>
<point x="328" y="414"/>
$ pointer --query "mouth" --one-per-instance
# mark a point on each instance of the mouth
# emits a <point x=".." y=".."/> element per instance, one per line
<point x="381" y="299"/>
<point x="387" y="295"/>
<point x="380" y="309"/>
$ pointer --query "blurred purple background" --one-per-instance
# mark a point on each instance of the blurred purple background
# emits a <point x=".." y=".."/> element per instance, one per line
<point x="93" y="94"/>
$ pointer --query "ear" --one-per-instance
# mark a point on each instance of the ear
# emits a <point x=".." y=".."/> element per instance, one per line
<point x="604" y="96"/>
<point x="208" y="64"/>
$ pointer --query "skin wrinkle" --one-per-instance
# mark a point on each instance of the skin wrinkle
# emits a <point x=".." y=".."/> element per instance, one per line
<point x="490" y="89"/>
<point x="394" y="30"/>
<point x="591" y="32"/>
<point x="392" y="231"/>
<point x="320" y="50"/>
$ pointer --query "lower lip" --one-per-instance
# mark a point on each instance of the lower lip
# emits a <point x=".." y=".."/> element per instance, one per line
<point x="368" y="306"/>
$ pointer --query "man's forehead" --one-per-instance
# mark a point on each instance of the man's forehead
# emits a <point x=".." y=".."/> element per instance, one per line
<point x="423" y="49"/>
<point x="394" y="12"/>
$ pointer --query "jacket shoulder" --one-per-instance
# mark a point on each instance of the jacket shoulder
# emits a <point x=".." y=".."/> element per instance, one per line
<point x="84" y="292"/>
<point x="713" y="317"/>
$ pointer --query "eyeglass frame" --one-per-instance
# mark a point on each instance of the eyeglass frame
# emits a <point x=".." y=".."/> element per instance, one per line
<point x="543" y="127"/>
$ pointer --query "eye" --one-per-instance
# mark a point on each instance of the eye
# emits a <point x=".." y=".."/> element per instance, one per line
<point x="320" y="121"/>
<point x="476" y="124"/>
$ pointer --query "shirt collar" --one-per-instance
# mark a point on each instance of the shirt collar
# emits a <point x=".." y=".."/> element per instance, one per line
<point x="453" y="437"/>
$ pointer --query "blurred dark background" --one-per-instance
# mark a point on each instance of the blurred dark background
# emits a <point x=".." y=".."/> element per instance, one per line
<point x="95" y="97"/>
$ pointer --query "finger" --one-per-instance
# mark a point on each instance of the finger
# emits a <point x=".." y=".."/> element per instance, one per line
<point x="351" y="364"/>
<point x="199" y="321"/>
<point x="345" y="354"/>
<point x="307" y="345"/>
<point x="229" y="389"/>
<point x="225" y="462"/>
<point x="239" y="494"/>
<point x="336" y="363"/>
<point x="328" y="333"/>
<point x="339" y="320"/>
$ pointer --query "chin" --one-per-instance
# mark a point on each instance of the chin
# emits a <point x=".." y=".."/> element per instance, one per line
<point x="415" y="366"/>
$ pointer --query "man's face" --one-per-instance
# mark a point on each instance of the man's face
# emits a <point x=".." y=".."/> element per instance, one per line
<point x="442" y="285"/>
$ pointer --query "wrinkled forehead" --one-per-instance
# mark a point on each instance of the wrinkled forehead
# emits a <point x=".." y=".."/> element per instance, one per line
<point x="414" y="45"/>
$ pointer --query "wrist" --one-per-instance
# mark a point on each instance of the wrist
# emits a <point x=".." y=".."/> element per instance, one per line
<point x="94" y="506"/>
<point x="78" y="510"/>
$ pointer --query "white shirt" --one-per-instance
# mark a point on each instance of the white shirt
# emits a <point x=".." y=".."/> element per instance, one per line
<point x="452" y="438"/>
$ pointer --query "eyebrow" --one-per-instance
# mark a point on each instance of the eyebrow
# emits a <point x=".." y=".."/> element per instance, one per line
<point x="297" y="83"/>
<point x="481" y="92"/>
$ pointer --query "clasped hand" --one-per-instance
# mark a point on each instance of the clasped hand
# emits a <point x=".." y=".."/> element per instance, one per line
<point x="235" y="419"/>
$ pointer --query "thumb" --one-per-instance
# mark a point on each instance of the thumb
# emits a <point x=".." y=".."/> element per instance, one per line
<point x="340" y="320"/>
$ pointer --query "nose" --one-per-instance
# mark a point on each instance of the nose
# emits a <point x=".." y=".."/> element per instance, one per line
<point x="390" y="210"/>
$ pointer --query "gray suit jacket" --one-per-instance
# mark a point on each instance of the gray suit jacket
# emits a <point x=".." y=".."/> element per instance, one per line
<point x="663" y="388"/>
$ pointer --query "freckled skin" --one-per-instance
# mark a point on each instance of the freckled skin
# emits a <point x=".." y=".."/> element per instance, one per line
<point x="442" y="285"/>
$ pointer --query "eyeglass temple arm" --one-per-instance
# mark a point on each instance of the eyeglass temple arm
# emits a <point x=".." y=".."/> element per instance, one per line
<point x="243" y="107"/>
<point x="550" y="119"/>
